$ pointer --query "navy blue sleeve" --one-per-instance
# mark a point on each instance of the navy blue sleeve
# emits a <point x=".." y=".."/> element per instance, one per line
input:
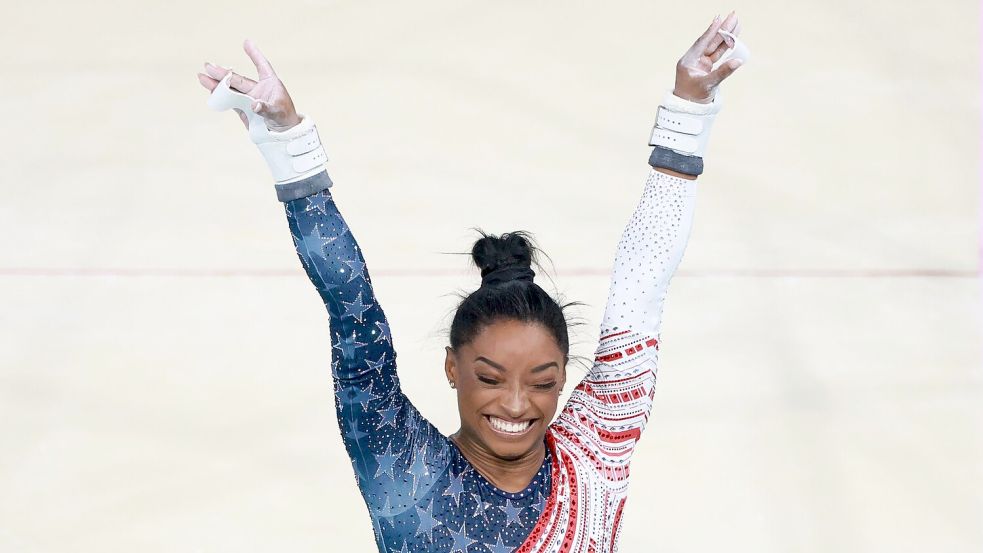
<point x="395" y="452"/>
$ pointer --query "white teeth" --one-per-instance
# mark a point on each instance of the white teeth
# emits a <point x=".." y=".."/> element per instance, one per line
<point x="506" y="426"/>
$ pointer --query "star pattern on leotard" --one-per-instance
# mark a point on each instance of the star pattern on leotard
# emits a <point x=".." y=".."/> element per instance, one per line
<point x="313" y="243"/>
<point x="384" y="334"/>
<point x="481" y="508"/>
<point x="456" y="488"/>
<point x="326" y="288"/>
<point x="418" y="468"/>
<point x="377" y="365"/>
<point x="412" y="421"/>
<point x="353" y="432"/>
<point x="386" y="462"/>
<point x="461" y="539"/>
<point x="347" y="393"/>
<point x="388" y="417"/>
<point x="427" y="521"/>
<point x="348" y="345"/>
<point x="356" y="269"/>
<point x="363" y="396"/>
<point x="511" y="513"/>
<point x="498" y="546"/>
<point x="318" y="202"/>
<point x="356" y="308"/>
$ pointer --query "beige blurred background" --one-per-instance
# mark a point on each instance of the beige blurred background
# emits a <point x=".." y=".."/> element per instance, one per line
<point x="164" y="379"/>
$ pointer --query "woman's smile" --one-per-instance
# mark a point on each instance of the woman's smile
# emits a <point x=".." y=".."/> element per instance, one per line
<point x="509" y="429"/>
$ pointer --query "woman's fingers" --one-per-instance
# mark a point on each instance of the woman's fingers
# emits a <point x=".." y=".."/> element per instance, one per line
<point x="215" y="71"/>
<point x="729" y="24"/>
<point x="207" y="82"/>
<point x="717" y="53"/>
<point x="210" y="84"/>
<point x="263" y="67"/>
<point x="702" y="44"/>
<point x="725" y="70"/>
<point x="238" y="82"/>
<point x="727" y="44"/>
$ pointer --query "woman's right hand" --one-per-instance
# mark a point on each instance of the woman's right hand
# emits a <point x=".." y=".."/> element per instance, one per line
<point x="696" y="80"/>
<point x="272" y="100"/>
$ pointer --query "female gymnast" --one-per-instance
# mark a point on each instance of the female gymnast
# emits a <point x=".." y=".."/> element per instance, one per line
<point x="511" y="478"/>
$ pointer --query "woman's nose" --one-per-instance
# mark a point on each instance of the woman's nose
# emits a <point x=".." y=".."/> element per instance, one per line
<point x="516" y="402"/>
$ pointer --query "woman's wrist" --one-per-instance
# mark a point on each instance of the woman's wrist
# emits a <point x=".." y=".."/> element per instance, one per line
<point x="692" y="97"/>
<point x="676" y="174"/>
<point x="288" y="122"/>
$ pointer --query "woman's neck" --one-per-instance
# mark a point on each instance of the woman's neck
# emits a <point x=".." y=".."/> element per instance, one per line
<point x="511" y="475"/>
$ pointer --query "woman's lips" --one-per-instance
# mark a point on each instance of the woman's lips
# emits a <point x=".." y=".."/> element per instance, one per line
<point x="507" y="428"/>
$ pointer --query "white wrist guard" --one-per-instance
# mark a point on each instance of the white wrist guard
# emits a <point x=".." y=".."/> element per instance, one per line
<point x="684" y="126"/>
<point x="293" y="154"/>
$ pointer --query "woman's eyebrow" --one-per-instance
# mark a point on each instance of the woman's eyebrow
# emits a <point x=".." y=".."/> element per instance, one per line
<point x="536" y="369"/>
<point x="545" y="366"/>
<point x="490" y="362"/>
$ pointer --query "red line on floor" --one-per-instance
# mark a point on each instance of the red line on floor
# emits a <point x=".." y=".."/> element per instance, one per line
<point x="138" y="272"/>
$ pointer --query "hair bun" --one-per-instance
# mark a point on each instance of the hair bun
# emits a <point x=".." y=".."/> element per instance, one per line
<point x="504" y="258"/>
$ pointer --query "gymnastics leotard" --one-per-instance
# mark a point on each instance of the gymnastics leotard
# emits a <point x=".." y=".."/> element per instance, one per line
<point x="422" y="494"/>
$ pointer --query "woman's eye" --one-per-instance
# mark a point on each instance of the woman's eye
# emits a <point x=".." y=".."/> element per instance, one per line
<point x="487" y="380"/>
<point x="545" y="386"/>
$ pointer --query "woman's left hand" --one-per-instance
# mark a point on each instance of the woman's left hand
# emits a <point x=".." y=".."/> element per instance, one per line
<point x="271" y="99"/>
<point x="695" y="78"/>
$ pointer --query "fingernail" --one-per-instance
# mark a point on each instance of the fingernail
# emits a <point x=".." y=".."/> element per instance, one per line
<point x="716" y="19"/>
<point x="257" y="107"/>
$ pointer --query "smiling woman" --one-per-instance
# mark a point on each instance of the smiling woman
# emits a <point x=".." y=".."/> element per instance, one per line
<point x="507" y="359"/>
<point x="509" y="479"/>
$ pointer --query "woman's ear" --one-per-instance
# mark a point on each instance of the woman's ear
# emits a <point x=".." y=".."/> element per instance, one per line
<point x="450" y="365"/>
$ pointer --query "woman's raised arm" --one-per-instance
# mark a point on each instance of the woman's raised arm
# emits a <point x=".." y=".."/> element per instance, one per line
<point x="653" y="242"/>
<point x="614" y="400"/>
<point x="383" y="432"/>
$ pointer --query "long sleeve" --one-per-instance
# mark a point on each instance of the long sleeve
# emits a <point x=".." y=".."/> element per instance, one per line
<point x="649" y="252"/>
<point x="613" y="402"/>
<point x="386" y="437"/>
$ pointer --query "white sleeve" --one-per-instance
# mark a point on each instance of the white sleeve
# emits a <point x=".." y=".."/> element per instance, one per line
<point x="612" y="403"/>
<point x="650" y="249"/>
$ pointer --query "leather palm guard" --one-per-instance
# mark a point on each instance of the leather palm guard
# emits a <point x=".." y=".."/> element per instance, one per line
<point x="738" y="51"/>
<point x="291" y="155"/>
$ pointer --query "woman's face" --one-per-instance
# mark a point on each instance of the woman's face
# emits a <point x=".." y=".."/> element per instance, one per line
<point x="508" y="381"/>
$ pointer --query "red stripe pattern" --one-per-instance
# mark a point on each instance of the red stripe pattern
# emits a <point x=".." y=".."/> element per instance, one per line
<point x="592" y="442"/>
<point x="594" y="437"/>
